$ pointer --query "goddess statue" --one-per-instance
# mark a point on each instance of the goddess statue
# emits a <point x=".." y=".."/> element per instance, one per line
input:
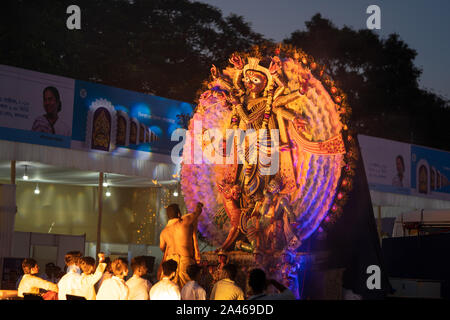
<point x="265" y="96"/>
<point x="258" y="99"/>
<point x="284" y="181"/>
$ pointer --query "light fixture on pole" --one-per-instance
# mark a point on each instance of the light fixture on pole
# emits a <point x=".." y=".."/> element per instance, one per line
<point x="175" y="193"/>
<point x="108" y="193"/>
<point x="36" y="190"/>
<point x="25" y="175"/>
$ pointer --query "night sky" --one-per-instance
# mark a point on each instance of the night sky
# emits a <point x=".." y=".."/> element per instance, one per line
<point x="423" y="25"/>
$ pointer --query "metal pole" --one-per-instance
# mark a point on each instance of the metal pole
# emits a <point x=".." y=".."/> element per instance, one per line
<point x="13" y="171"/>
<point x="157" y="220"/>
<point x="100" y="207"/>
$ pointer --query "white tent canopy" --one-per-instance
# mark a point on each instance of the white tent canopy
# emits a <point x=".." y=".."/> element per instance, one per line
<point x="59" y="165"/>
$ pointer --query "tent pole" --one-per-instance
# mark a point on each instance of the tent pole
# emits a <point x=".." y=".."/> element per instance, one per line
<point x="100" y="207"/>
<point x="13" y="171"/>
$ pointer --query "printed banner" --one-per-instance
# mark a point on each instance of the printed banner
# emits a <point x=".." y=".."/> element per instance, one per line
<point x="35" y="107"/>
<point x="403" y="168"/>
<point x="55" y="111"/>
<point x="387" y="164"/>
<point x="108" y="119"/>
<point x="430" y="172"/>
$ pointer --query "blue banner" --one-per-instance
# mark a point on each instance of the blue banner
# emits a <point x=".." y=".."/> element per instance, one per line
<point x="402" y="168"/>
<point x="154" y="118"/>
<point x="430" y="172"/>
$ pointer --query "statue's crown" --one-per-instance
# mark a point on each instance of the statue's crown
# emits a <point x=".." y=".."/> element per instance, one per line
<point x="253" y="63"/>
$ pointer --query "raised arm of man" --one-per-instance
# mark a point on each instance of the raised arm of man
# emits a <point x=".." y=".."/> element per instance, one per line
<point x="191" y="218"/>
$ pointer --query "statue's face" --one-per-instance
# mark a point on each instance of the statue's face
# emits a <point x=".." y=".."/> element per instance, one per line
<point x="236" y="191"/>
<point x="273" y="187"/>
<point x="255" y="81"/>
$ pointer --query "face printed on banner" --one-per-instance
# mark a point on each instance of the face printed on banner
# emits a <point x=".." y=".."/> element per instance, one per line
<point x="50" y="102"/>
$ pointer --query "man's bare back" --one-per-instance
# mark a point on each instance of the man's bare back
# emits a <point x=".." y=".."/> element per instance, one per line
<point x="177" y="236"/>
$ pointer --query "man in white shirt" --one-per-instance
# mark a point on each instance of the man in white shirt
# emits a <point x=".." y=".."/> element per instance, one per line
<point x="89" y="278"/>
<point x="258" y="284"/>
<point x="139" y="287"/>
<point x="192" y="290"/>
<point x="115" y="288"/>
<point x="31" y="283"/>
<point x="165" y="289"/>
<point x="70" y="282"/>
<point x="226" y="289"/>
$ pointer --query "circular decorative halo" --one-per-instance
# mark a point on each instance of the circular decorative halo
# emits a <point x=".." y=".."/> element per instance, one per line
<point x="323" y="154"/>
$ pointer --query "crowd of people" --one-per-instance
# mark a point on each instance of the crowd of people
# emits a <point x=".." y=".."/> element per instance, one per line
<point x="88" y="279"/>
<point x="180" y="276"/>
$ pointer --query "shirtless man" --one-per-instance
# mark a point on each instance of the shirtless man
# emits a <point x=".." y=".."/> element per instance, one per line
<point x="178" y="240"/>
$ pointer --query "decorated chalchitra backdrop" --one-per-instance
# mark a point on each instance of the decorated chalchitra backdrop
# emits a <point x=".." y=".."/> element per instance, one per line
<point x="301" y="121"/>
